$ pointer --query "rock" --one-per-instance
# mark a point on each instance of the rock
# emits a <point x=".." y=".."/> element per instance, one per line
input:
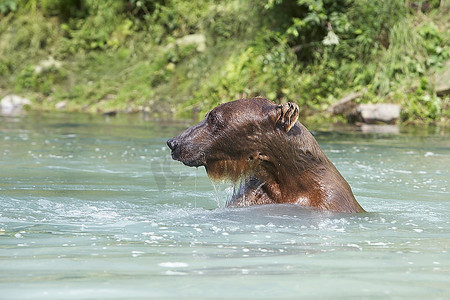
<point x="346" y="104"/>
<point x="13" y="104"/>
<point x="443" y="90"/>
<point x="61" y="105"/>
<point x="47" y="64"/>
<point x="131" y="110"/>
<point x="197" y="39"/>
<point x="110" y="113"/>
<point x="380" y="112"/>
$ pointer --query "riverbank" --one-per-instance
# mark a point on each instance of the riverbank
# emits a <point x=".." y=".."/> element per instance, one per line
<point x="179" y="59"/>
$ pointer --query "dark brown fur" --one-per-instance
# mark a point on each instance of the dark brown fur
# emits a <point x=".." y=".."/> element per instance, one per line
<point x="276" y="157"/>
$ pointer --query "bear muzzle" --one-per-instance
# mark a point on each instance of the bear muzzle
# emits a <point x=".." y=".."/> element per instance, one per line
<point x="178" y="154"/>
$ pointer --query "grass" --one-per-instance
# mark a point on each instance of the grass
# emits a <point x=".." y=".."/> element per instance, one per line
<point x="124" y="57"/>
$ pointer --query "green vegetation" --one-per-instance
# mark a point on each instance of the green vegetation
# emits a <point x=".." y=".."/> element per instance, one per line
<point x="174" y="57"/>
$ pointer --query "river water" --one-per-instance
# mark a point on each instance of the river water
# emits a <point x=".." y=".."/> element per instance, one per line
<point x="94" y="208"/>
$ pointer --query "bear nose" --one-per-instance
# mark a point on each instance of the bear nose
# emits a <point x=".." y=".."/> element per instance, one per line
<point x="172" y="143"/>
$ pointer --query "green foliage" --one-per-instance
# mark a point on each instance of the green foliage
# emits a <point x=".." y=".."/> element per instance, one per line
<point x="27" y="33"/>
<point x="252" y="72"/>
<point x="64" y="9"/>
<point x="95" y="31"/>
<point x="5" y="67"/>
<point x="25" y="40"/>
<point x="425" y="106"/>
<point x="232" y="20"/>
<point x="7" y="6"/>
<point x="42" y="80"/>
<point x="143" y="7"/>
<point x="130" y="54"/>
<point x="434" y="45"/>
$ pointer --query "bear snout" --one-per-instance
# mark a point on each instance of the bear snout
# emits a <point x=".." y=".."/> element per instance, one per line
<point x="183" y="153"/>
<point x="172" y="143"/>
<point x="174" y="147"/>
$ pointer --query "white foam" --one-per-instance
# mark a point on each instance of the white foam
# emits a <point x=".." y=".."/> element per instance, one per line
<point x="170" y="264"/>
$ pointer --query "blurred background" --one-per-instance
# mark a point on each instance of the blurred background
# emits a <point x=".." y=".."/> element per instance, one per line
<point x="178" y="59"/>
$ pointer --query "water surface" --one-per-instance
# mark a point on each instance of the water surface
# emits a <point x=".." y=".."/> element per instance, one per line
<point x="94" y="208"/>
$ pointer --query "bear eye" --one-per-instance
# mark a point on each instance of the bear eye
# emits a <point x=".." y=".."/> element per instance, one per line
<point x="212" y="119"/>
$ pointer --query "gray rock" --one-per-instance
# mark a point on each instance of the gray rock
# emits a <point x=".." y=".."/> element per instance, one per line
<point x="346" y="104"/>
<point x="13" y="104"/>
<point x="61" y="105"/>
<point x="197" y="39"/>
<point x="46" y="65"/>
<point x="443" y="90"/>
<point x="380" y="112"/>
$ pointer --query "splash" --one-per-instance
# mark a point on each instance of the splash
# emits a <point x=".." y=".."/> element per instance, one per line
<point x="226" y="191"/>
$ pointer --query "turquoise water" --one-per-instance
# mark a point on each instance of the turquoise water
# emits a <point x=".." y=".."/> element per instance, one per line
<point x="94" y="208"/>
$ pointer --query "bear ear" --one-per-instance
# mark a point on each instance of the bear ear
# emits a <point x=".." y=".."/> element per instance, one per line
<point x="287" y="115"/>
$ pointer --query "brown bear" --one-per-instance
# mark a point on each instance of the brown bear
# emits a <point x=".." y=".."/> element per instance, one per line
<point x="275" y="157"/>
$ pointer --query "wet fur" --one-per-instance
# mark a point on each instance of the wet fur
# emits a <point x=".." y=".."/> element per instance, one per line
<point x="274" y="157"/>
